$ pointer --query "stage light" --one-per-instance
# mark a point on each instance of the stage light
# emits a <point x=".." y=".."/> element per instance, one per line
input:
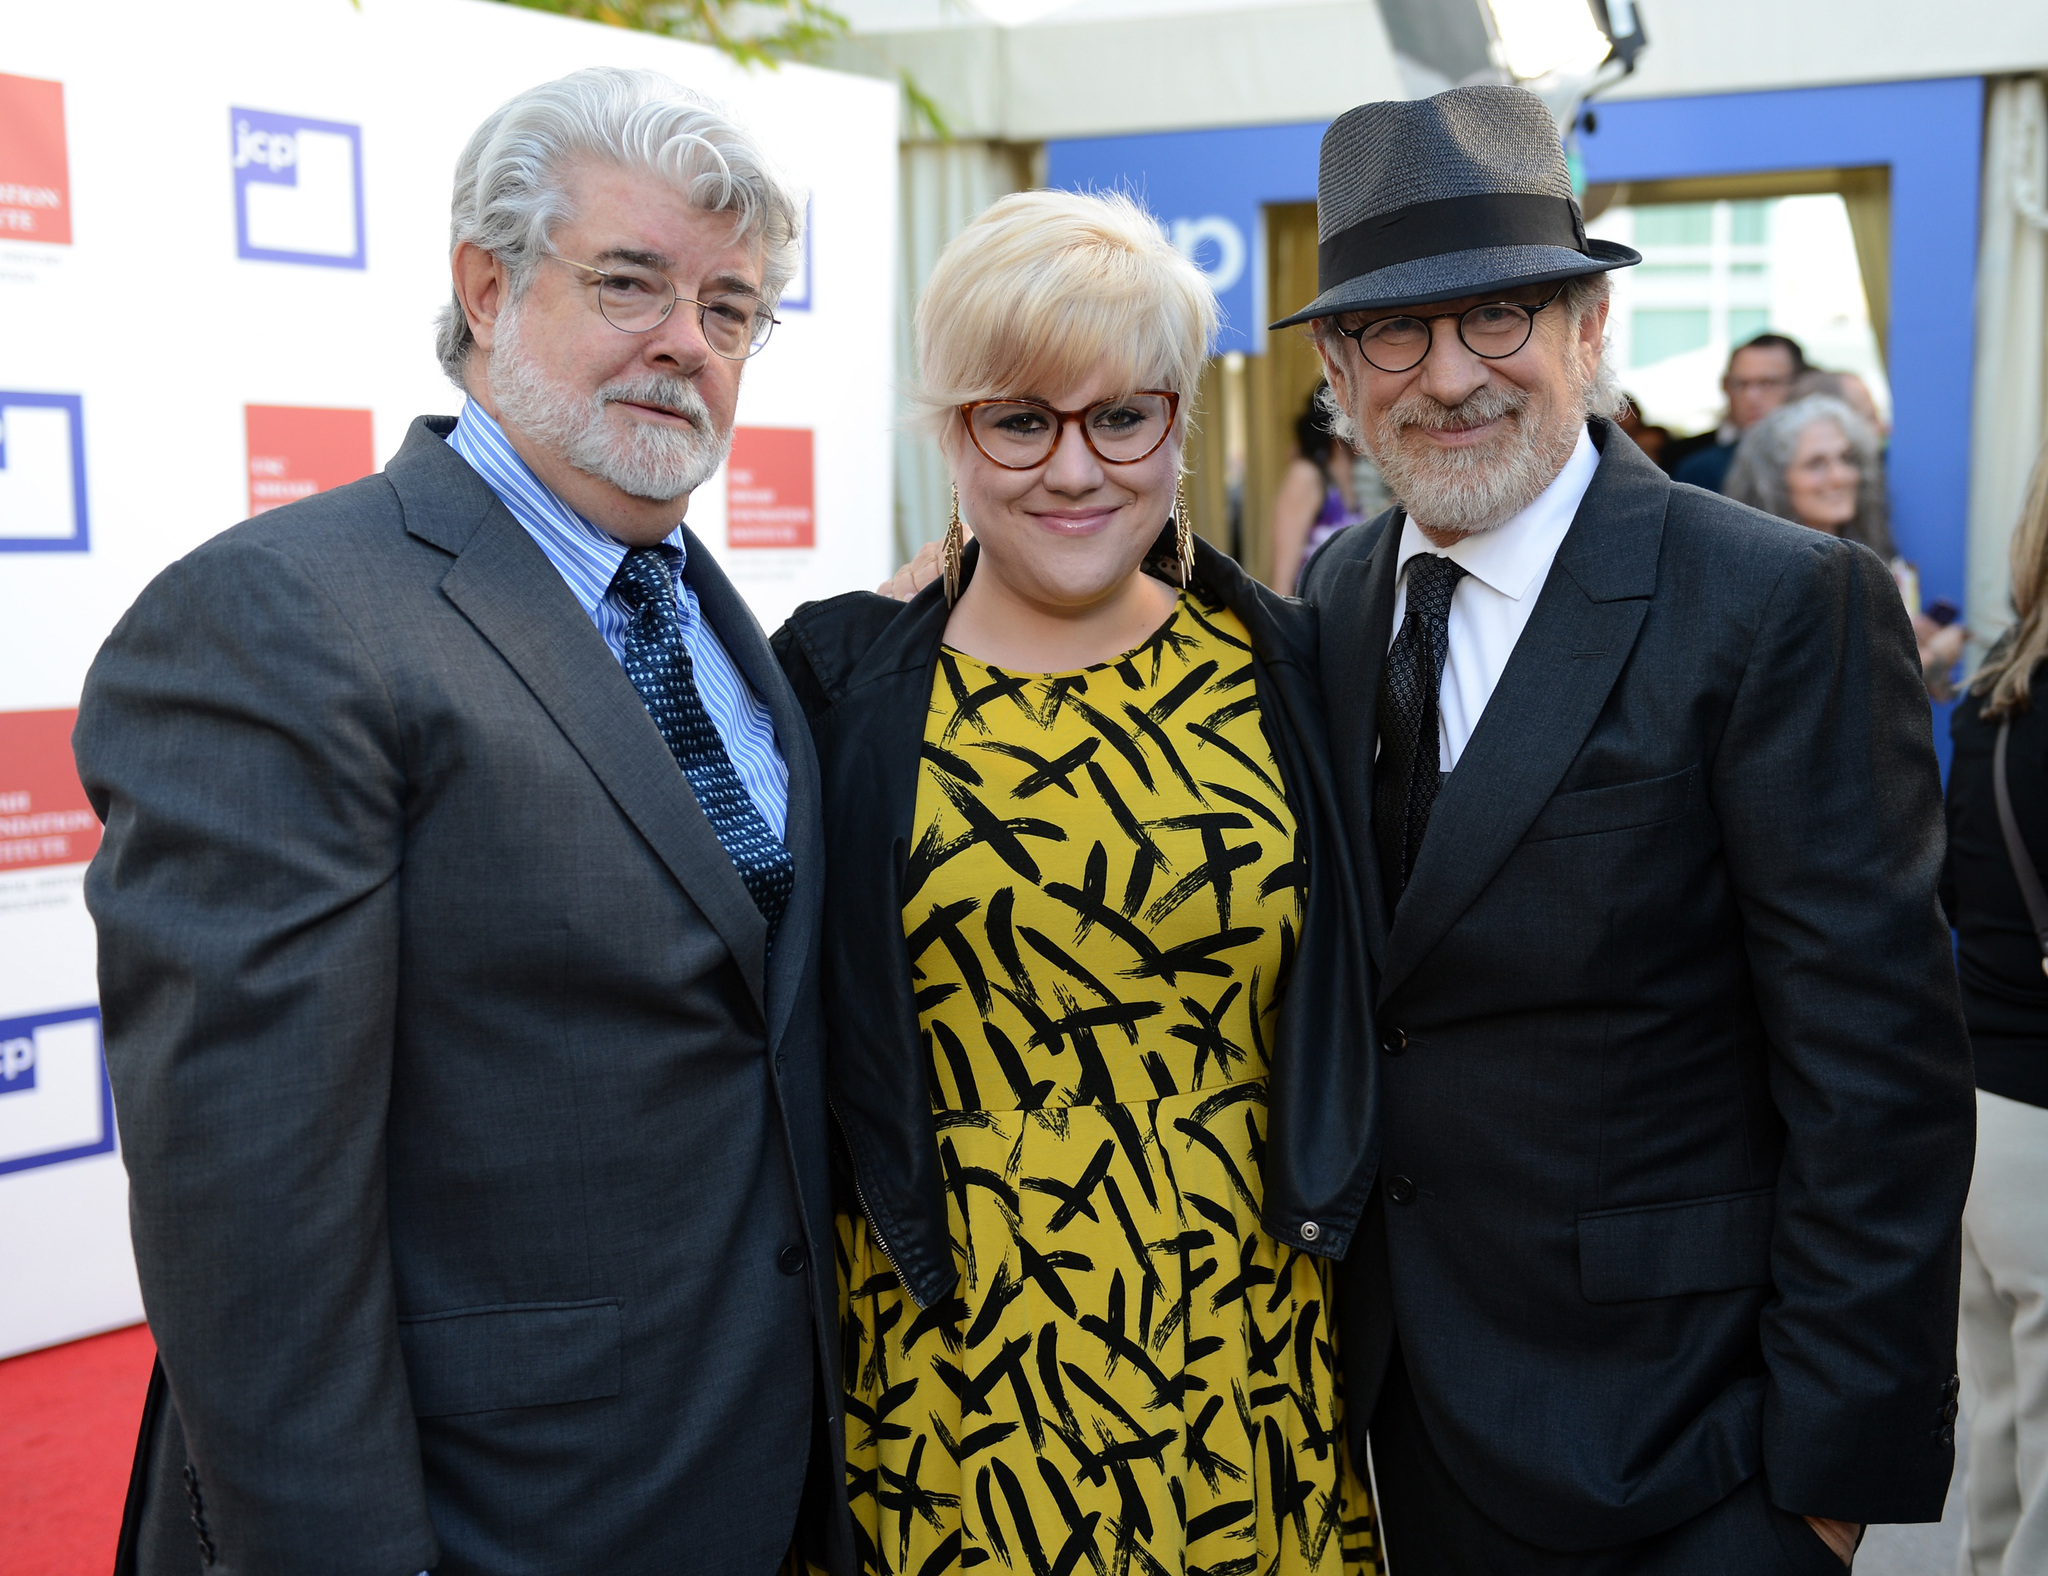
<point x="1540" y="37"/>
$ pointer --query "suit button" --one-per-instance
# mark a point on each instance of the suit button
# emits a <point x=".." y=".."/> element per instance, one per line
<point x="1951" y="1385"/>
<point x="1400" y="1190"/>
<point x="1948" y="1410"/>
<point x="1394" y="1041"/>
<point x="790" y="1260"/>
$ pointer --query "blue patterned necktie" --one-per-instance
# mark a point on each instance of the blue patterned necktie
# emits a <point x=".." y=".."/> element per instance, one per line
<point x="658" y="663"/>
<point x="1410" y="765"/>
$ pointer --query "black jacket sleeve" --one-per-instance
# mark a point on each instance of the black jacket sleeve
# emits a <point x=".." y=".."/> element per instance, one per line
<point x="1830" y="808"/>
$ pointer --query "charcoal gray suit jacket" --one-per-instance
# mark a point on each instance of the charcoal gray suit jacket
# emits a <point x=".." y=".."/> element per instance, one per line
<point x="1678" y="1110"/>
<point x="477" y="1144"/>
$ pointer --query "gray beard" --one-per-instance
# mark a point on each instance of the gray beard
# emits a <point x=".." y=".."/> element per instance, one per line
<point x="1464" y="491"/>
<point x="641" y="460"/>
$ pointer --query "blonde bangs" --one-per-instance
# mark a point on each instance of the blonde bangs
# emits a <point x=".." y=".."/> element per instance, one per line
<point x="1049" y="290"/>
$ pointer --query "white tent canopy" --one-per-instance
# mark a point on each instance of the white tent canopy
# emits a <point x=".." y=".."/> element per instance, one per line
<point x="1106" y="67"/>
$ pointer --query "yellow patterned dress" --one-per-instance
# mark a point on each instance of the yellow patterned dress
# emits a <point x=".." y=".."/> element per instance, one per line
<point x="1102" y="903"/>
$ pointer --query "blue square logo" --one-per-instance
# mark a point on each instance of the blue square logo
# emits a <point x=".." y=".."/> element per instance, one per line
<point x="18" y="1064"/>
<point x="298" y="189"/>
<point x="55" y="1101"/>
<point x="42" y="473"/>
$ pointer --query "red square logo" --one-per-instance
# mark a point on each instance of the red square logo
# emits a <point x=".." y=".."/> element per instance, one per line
<point x="35" y="175"/>
<point x="768" y="488"/>
<point x="44" y="818"/>
<point x="295" y="452"/>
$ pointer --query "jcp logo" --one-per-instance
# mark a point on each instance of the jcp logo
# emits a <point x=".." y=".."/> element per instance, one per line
<point x="1214" y="245"/>
<point x="272" y="150"/>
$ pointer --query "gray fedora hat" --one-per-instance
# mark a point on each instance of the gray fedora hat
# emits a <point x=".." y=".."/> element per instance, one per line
<point x="1430" y="199"/>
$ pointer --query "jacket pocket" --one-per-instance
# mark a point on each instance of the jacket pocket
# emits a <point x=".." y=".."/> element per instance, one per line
<point x="1614" y="808"/>
<point x="1676" y="1250"/>
<point x="524" y="1354"/>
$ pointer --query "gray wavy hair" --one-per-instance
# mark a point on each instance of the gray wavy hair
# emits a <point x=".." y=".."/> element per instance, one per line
<point x="1757" y="475"/>
<point x="510" y="183"/>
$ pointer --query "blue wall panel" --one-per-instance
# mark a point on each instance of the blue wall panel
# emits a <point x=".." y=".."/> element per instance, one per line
<point x="1187" y="177"/>
<point x="1930" y="134"/>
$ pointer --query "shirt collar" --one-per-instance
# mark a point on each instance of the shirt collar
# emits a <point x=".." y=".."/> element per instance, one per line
<point x="1515" y="555"/>
<point x="481" y="441"/>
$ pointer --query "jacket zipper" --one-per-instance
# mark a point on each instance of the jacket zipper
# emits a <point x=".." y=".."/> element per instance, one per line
<point x="868" y="1215"/>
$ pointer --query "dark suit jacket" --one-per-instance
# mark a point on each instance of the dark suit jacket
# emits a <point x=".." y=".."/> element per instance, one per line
<point x="1677" y="1095"/>
<point x="1707" y="466"/>
<point x="478" y="1149"/>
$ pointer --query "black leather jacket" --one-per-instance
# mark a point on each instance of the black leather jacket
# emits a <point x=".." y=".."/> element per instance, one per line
<point x="863" y="666"/>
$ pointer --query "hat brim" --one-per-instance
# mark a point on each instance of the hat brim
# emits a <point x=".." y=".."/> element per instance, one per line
<point x="1453" y="274"/>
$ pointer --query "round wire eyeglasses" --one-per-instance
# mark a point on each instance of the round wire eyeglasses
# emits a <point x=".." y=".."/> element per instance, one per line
<point x="1493" y="331"/>
<point x="635" y="299"/>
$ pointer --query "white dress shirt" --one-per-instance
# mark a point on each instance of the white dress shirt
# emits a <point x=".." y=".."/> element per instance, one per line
<point x="1505" y="569"/>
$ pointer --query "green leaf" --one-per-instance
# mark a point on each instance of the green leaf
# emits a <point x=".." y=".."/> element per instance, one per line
<point x="753" y="32"/>
<point x="924" y="109"/>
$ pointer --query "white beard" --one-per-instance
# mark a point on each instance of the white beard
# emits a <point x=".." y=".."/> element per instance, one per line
<point x="640" y="459"/>
<point x="1465" y="491"/>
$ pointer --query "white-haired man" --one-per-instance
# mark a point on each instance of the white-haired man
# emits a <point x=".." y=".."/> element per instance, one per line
<point x="457" y="920"/>
<point x="1660" y="1275"/>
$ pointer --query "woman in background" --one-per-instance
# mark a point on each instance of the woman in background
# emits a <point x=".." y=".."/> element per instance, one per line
<point x="1818" y="462"/>
<point x="2005" y="999"/>
<point x="1100" y="1043"/>
<point x="1316" y="497"/>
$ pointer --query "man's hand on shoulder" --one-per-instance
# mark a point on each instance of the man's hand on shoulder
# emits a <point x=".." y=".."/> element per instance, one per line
<point x="1841" y="1536"/>
<point x="914" y="576"/>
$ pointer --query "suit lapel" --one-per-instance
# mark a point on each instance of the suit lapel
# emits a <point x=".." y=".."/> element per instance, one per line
<point x="740" y="633"/>
<point x="1356" y="620"/>
<point x="1576" y="643"/>
<point x="504" y="585"/>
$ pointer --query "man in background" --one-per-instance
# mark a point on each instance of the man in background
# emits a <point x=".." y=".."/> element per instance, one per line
<point x="1758" y="380"/>
<point x="458" y="919"/>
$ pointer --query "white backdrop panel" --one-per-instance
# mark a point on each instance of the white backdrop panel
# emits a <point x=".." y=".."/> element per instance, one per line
<point x="192" y="289"/>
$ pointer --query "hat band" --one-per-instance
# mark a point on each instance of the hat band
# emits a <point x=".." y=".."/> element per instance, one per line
<point x="1453" y="224"/>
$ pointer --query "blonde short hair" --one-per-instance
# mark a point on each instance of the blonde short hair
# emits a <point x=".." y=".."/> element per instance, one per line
<point x="1046" y="290"/>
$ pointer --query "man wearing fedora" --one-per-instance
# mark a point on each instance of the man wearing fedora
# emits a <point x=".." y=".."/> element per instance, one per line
<point x="1661" y="1271"/>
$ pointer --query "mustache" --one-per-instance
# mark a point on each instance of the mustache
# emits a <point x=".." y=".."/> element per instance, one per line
<point x="675" y="395"/>
<point x="1487" y="403"/>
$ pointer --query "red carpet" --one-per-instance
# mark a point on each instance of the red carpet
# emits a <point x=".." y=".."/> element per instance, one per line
<point x="68" y="1417"/>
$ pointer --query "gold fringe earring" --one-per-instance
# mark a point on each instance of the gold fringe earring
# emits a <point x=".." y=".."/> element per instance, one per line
<point x="950" y="550"/>
<point x="1183" y="531"/>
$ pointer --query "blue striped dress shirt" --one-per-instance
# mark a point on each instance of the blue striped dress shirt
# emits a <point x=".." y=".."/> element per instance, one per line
<point x="587" y="560"/>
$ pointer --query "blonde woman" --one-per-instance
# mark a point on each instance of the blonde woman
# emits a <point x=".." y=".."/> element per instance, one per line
<point x="1100" y="1046"/>
<point x="2005" y="1000"/>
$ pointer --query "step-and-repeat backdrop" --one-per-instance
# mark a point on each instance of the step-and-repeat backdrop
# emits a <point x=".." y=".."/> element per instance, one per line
<point x="223" y="240"/>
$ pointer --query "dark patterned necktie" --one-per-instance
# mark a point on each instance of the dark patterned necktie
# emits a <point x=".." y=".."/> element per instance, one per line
<point x="658" y="663"/>
<point x="1410" y="765"/>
